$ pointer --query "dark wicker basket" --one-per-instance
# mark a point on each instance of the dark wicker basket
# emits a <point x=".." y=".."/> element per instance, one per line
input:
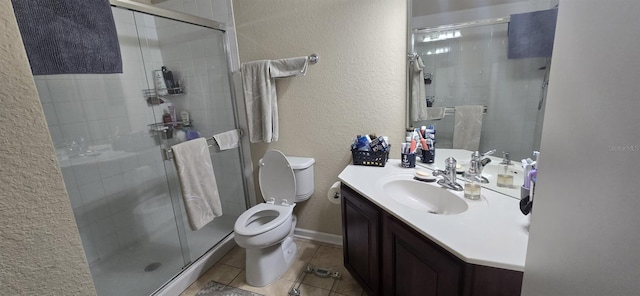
<point x="370" y="158"/>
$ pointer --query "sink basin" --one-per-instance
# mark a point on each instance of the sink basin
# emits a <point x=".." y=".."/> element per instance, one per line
<point x="424" y="197"/>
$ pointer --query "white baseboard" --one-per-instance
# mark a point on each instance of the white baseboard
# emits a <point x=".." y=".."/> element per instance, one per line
<point x="182" y="281"/>
<point x="318" y="236"/>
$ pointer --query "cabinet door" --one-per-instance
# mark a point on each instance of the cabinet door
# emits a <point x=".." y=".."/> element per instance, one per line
<point x="414" y="265"/>
<point x="360" y="235"/>
<point x="491" y="281"/>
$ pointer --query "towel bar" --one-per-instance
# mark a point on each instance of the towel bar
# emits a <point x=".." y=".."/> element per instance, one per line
<point x="167" y="153"/>
<point x="452" y="110"/>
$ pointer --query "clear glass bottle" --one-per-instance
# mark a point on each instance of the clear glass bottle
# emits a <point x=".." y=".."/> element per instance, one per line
<point x="505" y="178"/>
<point x="471" y="185"/>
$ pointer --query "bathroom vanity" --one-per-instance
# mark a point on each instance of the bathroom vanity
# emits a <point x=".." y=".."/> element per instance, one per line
<point x="406" y="237"/>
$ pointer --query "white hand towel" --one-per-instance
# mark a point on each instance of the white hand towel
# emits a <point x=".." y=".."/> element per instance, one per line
<point x="291" y="67"/>
<point x="198" y="182"/>
<point x="258" y="79"/>
<point x="435" y="113"/>
<point x="467" y="127"/>
<point x="227" y="140"/>
<point x="418" y="93"/>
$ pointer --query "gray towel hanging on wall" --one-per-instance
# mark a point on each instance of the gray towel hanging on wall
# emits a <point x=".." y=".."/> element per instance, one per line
<point x="69" y="36"/>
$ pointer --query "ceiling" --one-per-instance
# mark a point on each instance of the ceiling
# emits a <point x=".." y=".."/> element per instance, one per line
<point x="427" y="7"/>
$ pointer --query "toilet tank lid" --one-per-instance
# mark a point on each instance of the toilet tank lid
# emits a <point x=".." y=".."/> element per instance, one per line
<point x="298" y="163"/>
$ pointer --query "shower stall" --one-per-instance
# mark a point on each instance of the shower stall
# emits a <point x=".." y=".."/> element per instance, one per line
<point x="108" y="133"/>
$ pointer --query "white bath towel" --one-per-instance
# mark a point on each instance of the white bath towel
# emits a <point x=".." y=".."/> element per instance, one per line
<point x="467" y="127"/>
<point x="418" y="93"/>
<point x="435" y="113"/>
<point x="228" y="140"/>
<point x="198" y="182"/>
<point x="258" y="79"/>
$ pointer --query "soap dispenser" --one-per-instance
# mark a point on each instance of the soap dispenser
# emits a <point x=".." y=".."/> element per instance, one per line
<point x="505" y="178"/>
<point x="471" y="181"/>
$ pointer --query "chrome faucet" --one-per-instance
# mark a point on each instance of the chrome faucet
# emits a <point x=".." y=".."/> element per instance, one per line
<point x="448" y="175"/>
<point x="480" y="162"/>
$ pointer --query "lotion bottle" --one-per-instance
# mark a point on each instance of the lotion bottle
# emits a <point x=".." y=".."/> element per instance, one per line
<point x="471" y="185"/>
<point x="505" y="178"/>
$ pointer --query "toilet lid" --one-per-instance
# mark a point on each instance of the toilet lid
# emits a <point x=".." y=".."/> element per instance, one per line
<point x="276" y="178"/>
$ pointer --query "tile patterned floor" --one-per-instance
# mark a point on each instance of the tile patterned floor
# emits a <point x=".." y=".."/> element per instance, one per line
<point x="230" y="270"/>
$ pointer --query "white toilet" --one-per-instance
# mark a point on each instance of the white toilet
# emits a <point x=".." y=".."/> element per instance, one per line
<point x="266" y="229"/>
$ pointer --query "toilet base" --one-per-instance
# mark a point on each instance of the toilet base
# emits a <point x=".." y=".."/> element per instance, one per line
<point x="264" y="266"/>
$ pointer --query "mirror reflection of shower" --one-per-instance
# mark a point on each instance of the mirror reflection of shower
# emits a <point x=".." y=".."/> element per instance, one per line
<point x="468" y="64"/>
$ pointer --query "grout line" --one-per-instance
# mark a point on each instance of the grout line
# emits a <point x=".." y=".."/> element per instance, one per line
<point x="241" y="270"/>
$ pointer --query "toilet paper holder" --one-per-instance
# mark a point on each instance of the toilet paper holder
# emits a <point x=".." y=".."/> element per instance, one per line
<point x="333" y="195"/>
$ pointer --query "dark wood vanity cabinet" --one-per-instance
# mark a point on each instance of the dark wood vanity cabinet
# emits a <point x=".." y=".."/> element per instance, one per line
<point x="387" y="257"/>
<point x="361" y="239"/>
<point x="413" y="265"/>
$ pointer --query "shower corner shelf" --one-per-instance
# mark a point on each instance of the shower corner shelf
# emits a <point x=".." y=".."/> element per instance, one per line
<point x="153" y="95"/>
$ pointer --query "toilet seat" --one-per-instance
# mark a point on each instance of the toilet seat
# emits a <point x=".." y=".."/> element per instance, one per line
<point x="276" y="178"/>
<point x="245" y="223"/>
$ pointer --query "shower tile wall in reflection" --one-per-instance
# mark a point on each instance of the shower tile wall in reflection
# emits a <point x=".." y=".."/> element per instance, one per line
<point x="474" y="70"/>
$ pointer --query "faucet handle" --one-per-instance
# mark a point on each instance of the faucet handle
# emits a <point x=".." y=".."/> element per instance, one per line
<point x="490" y="152"/>
<point x="450" y="162"/>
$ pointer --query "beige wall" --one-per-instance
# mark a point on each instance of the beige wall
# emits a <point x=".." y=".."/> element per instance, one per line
<point x="41" y="249"/>
<point x="357" y="87"/>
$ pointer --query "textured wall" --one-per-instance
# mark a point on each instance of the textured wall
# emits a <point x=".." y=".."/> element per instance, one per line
<point x="357" y="87"/>
<point x="41" y="249"/>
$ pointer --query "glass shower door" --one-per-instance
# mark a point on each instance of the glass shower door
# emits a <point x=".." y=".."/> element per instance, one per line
<point x="196" y="57"/>
<point x="125" y="197"/>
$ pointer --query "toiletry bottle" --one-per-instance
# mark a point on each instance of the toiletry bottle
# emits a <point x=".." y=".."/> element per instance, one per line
<point x="471" y="184"/>
<point x="505" y="178"/>
<point x="184" y="115"/>
<point x="166" y="119"/>
<point x="168" y="79"/>
<point x="407" y="140"/>
<point x="172" y="113"/>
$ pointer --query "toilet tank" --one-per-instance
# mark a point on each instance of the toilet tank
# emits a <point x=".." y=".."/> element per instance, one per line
<point x="303" y="171"/>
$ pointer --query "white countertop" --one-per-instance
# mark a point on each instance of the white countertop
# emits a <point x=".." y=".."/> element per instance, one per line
<point x="492" y="232"/>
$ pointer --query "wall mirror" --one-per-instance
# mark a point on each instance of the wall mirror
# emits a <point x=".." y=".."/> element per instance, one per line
<point x="472" y="55"/>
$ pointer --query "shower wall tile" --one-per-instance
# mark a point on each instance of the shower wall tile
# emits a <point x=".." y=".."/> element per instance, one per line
<point x="69" y="112"/>
<point x="92" y="89"/>
<point x="97" y="210"/>
<point x="205" y="9"/>
<point x="91" y="192"/>
<point x="81" y="217"/>
<point x="190" y="7"/>
<point x="50" y="114"/>
<point x="43" y="89"/>
<point x="99" y="131"/>
<point x="109" y="168"/>
<point x="62" y="90"/>
<point x="106" y="245"/>
<point x="113" y="185"/>
<point x="74" y="197"/>
<point x="69" y="177"/>
<point x="103" y="226"/>
<point x="95" y="109"/>
<point x="86" y="173"/>
<point x="88" y="243"/>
